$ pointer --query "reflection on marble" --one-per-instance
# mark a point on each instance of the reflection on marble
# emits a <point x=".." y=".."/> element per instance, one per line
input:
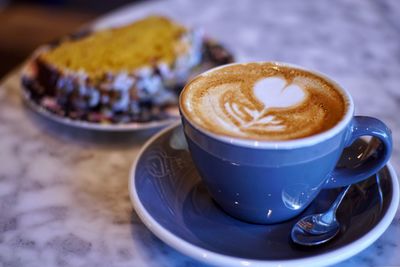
<point x="64" y="191"/>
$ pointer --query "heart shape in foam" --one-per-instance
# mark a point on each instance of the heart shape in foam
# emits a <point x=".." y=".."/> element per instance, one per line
<point x="274" y="92"/>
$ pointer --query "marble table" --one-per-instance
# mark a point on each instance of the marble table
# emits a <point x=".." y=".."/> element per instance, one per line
<point x="64" y="191"/>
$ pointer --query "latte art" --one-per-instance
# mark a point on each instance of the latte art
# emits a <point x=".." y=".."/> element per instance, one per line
<point x="262" y="101"/>
<point x="273" y="92"/>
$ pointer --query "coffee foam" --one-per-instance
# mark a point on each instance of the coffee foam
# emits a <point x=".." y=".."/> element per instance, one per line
<point x="262" y="101"/>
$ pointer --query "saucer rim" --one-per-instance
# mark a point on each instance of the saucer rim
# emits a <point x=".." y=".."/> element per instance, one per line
<point x="215" y="258"/>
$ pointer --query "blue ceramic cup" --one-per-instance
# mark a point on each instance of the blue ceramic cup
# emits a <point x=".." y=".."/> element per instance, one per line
<point x="272" y="181"/>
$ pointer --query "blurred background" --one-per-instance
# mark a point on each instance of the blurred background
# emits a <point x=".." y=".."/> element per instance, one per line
<point x="28" y="24"/>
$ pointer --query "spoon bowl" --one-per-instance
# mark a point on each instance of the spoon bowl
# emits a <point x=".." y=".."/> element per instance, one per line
<point x="311" y="231"/>
<point x="305" y="239"/>
<point x="319" y="228"/>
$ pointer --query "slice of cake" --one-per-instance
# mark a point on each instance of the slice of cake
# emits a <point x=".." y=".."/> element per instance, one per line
<point x="126" y="74"/>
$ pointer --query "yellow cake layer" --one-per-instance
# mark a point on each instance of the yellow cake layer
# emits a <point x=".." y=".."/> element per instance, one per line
<point x="150" y="40"/>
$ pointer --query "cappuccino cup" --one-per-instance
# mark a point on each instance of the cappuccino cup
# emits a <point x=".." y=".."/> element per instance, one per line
<point x="266" y="137"/>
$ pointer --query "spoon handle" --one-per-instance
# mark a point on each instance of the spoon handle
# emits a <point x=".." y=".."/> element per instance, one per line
<point x="339" y="199"/>
<point x="329" y="215"/>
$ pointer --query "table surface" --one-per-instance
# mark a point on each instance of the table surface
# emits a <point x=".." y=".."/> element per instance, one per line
<point x="64" y="191"/>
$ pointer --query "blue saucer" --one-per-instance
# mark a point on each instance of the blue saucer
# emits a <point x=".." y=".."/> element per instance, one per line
<point x="171" y="200"/>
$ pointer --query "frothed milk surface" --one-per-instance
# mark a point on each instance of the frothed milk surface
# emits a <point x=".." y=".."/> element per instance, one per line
<point x="263" y="101"/>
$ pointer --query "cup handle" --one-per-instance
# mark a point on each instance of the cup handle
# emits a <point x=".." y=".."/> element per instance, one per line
<point x="364" y="126"/>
